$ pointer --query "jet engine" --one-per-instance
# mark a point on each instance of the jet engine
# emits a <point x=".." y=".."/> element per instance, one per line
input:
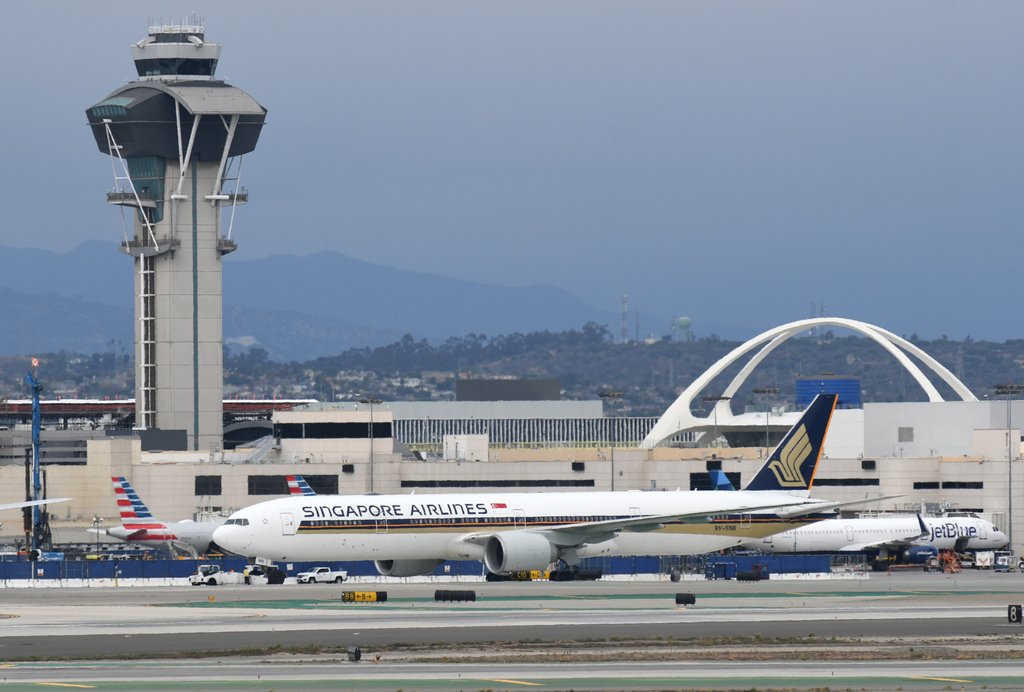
<point x="518" y="550"/>
<point x="920" y="554"/>
<point x="406" y="568"/>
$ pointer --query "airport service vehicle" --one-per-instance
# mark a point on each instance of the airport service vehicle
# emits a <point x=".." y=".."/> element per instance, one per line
<point x="408" y="535"/>
<point x="139" y="526"/>
<point x="212" y="575"/>
<point x="321" y="575"/>
<point x="756" y="572"/>
<point x="260" y="574"/>
<point x="983" y="559"/>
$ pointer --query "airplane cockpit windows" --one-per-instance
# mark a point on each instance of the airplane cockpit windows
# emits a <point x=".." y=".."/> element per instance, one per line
<point x="237" y="522"/>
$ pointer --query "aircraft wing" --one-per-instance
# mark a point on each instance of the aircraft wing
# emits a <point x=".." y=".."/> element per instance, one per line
<point x="826" y="506"/>
<point x="597" y="531"/>
<point x="898" y="541"/>
<point x="19" y="505"/>
<point x="860" y="547"/>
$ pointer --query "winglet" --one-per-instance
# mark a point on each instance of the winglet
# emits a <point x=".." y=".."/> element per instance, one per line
<point x="794" y="462"/>
<point x="925" y="531"/>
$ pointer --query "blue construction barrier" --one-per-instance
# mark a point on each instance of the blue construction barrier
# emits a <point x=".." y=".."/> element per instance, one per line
<point x="714" y="567"/>
<point x="726" y="566"/>
<point x="108" y="569"/>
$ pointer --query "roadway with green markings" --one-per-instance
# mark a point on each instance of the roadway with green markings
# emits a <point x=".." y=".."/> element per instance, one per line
<point x="911" y="632"/>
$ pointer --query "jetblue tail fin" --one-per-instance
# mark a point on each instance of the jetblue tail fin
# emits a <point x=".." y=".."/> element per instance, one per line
<point x="794" y="462"/>
<point x="297" y="485"/>
<point x="719" y="481"/>
<point x="128" y="503"/>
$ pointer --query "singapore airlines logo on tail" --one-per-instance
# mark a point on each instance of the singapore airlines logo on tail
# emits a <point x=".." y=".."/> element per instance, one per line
<point x="787" y="467"/>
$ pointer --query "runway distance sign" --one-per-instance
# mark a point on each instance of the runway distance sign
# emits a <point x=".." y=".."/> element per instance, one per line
<point x="364" y="596"/>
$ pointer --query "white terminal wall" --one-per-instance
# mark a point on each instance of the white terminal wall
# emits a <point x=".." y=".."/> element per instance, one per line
<point x="938" y="428"/>
<point x="845" y="434"/>
<point x="167" y="480"/>
<point x="334" y="449"/>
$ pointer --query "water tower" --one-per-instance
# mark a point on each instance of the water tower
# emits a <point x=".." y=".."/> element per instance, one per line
<point x="176" y="136"/>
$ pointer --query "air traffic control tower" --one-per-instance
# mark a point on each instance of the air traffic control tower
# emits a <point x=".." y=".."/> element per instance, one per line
<point x="176" y="136"/>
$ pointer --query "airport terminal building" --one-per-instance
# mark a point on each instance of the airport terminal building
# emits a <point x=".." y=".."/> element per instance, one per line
<point x="935" y="455"/>
<point x="948" y="455"/>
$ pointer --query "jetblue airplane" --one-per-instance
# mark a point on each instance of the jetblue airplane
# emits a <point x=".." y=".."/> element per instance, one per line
<point x="897" y="533"/>
<point x="408" y="535"/>
<point x="885" y="534"/>
<point x="139" y="526"/>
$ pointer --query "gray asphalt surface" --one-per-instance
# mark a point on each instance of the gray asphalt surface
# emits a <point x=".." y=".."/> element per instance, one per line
<point x="92" y="624"/>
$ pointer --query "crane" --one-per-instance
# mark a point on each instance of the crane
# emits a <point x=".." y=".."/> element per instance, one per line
<point x="40" y="519"/>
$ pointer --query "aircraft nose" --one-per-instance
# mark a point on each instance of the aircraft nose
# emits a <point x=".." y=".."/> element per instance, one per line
<point x="232" y="538"/>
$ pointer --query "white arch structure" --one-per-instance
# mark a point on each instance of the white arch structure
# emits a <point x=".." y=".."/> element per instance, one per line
<point x="678" y="417"/>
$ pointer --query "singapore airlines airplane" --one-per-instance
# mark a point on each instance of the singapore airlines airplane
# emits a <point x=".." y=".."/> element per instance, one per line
<point x="138" y="525"/>
<point x="889" y="534"/>
<point x="408" y="535"/>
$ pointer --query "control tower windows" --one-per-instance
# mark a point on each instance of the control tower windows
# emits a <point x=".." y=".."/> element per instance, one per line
<point x="150" y="67"/>
<point x="177" y="37"/>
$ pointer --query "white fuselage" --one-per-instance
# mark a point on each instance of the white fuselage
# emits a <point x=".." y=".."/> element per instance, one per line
<point x="425" y="527"/>
<point x="158" y="534"/>
<point x="838" y="535"/>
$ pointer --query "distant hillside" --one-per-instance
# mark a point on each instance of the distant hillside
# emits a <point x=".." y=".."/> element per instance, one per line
<point x="336" y="286"/>
<point x="586" y="361"/>
<point x="294" y="307"/>
<point x="40" y="323"/>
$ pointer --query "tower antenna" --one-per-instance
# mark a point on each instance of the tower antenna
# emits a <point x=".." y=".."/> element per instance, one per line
<point x="624" y="329"/>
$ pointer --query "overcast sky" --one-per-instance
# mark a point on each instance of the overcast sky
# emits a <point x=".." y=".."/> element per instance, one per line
<point x="732" y="162"/>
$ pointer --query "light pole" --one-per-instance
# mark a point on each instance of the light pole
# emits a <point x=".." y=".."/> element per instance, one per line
<point x="96" y="521"/>
<point x="370" y="402"/>
<point x="1009" y="390"/>
<point x="767" y="391"/>
<point x="613" y="397"/>
<point x="716" y="399"/>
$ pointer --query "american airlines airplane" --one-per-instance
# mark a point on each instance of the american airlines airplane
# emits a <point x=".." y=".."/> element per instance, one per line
<point x="139" y="526"/>
<point x="897" y="533"/>
<point x="408" y="535"/>
<point x="297" y="485"/>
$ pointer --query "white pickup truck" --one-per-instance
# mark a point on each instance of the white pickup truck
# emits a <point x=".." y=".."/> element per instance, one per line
<point x="211" y="575"/>
<point x="321" y="575"/>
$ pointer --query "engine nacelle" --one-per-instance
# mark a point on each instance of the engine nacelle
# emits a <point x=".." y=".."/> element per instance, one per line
<point x="406" y="568"/>
<point x="515" y="551"/>
<point x="920" y="554"/>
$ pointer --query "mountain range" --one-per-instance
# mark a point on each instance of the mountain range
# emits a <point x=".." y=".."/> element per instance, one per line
<point x="295" y="307"/>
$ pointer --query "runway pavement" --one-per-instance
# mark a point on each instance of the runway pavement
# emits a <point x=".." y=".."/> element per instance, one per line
<point x="261" y="674"/>
<point x="428" y="645"/>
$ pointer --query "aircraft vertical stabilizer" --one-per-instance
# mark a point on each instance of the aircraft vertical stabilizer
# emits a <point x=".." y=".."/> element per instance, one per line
<point x="794" y="462"/>
<point x="131" y="507"/>
<point x="297" y="485"/>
